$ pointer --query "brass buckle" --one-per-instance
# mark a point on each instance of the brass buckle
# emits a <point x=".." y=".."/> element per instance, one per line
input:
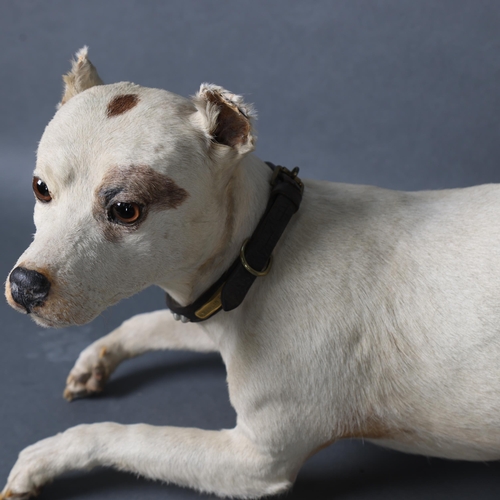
<point x="292" y="174"/>
<point x="247" y="266"/>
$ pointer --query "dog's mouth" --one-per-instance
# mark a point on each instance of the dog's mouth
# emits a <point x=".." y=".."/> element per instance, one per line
<point x="35" y="313"/>
<point x="56" y="309"/>
<point x="60" y="308"/>
<point x="37" y="317"/>
<point x="46" y="322"/>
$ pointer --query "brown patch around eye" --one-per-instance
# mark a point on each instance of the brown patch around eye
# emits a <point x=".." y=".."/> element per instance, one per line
<point x="138" y="184"/>
<point x="121" y="104"/>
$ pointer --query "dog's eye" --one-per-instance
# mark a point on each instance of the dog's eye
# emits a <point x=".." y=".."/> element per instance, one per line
<point x="126" y="213"/>
<point x="41" y="190"/>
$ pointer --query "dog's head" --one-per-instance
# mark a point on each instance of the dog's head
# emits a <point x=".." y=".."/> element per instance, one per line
<point x="131" y="187"/>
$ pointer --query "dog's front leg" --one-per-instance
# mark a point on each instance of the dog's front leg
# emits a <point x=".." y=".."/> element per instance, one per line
<point x="144" y="332"/>
<point x="225" y="462"/>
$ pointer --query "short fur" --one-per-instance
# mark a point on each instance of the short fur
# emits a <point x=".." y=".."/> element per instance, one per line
<point x="378" y="320"/>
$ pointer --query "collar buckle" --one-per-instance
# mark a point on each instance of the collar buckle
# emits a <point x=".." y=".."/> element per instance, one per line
<point x="292" y="174"/>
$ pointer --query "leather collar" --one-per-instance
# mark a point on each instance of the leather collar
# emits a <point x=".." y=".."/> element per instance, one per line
<point x="255" y="257"/>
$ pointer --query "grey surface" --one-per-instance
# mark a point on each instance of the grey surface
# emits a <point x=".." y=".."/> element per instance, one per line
<point x="397" y="93"/>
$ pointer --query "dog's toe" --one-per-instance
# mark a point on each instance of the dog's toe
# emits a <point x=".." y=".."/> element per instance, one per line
<point x="92" y="369"/>
<point x="36" y="466"/>
<point x="81" y="385"/>
<point x="12" y="495"/>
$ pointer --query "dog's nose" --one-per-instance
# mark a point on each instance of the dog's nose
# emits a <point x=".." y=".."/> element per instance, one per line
<point x="28" y="288"/>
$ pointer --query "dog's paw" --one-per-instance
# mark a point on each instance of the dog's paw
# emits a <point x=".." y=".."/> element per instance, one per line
<point x="40" y="463"/>
<point x="90" y="373"/>
<point x="12" y="495"/>
<point x="33" y="469"/>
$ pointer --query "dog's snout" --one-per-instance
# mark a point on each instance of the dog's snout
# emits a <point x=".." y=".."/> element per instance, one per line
<point x="28" y="288"/>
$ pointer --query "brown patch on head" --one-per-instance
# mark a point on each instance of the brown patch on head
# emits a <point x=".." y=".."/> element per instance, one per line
<point x="139" y="184"/>
<point x="233" y="126"/>
<point x="121" y="104"/>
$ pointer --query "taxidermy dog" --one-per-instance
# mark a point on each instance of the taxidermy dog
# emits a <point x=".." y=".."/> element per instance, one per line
<point x="339" y="311"/>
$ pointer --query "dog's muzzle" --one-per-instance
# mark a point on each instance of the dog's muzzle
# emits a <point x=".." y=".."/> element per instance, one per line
<point x="28" y="288"/>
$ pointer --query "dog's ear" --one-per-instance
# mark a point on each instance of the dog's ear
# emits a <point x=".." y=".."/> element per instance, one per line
<point x="225" y="118"/>
<point x="82" y="76"/>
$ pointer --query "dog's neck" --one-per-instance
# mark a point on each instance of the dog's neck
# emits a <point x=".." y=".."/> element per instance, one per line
<point x="245" y="203"/>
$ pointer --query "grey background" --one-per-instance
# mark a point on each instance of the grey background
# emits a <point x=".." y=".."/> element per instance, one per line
<point x="398" y="93"/>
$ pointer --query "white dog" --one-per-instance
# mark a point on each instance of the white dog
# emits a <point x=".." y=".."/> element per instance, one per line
<point x="379" y="318"/>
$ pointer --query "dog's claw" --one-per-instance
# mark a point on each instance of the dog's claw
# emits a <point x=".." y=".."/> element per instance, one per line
<point x="87" y="380"/>
<point x="184" y="319"/>
<point x="81" y="387"/>
<point x="70" y="395"/>
<point x="11" y="495"/>
<point x="176" y="316"/>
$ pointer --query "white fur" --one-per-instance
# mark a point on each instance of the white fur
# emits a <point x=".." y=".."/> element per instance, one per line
<point x="380" y="317"/>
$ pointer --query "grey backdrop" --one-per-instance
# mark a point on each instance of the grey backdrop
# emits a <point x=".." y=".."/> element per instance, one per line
<point x="398" y="93"/>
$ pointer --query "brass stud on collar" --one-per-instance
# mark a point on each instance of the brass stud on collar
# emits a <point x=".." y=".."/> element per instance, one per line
<point x="178" y="317"/>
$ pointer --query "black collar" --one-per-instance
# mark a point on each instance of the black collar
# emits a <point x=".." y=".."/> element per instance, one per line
<point x="230" y="289"/>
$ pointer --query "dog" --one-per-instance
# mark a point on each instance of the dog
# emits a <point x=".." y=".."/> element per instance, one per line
<point x="378" y="317"/>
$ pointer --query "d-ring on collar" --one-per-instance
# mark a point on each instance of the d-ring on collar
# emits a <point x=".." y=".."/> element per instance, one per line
<point x="230" y="289"/>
